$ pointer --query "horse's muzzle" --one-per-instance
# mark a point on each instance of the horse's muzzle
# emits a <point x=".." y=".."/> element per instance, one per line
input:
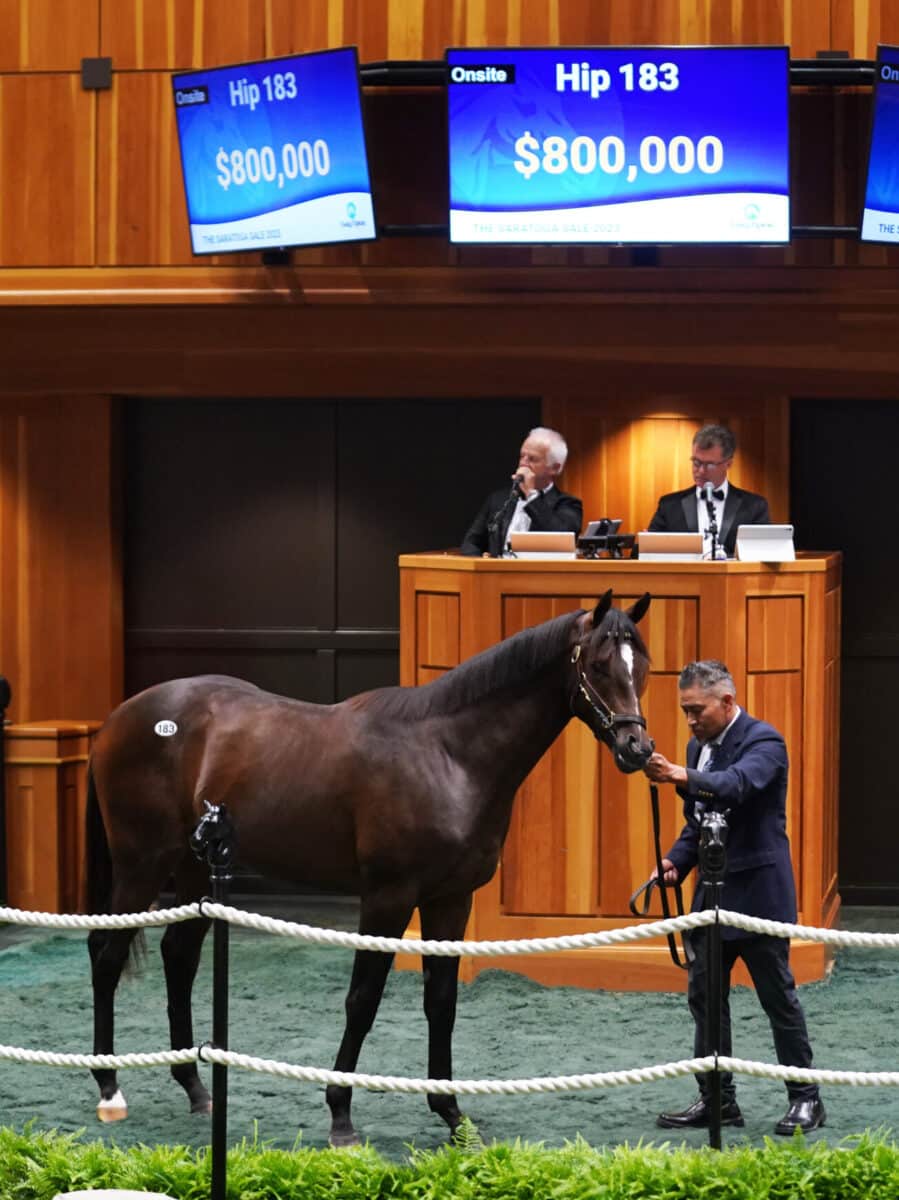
<point x="632" y="751"/>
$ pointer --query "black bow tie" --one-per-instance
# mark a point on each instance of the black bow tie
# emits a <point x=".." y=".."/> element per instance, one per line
<point x="718" y="494"/>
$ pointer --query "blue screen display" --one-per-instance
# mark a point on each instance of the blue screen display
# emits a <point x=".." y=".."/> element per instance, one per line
<point x="880" y="218"/>
<point x="273" y="153"/>
<point x="621" y="144"/>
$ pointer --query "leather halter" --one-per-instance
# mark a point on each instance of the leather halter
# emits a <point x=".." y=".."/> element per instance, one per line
<point x="608" y="720"/>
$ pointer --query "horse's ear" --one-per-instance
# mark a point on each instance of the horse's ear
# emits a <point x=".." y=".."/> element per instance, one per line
<point x="602" y="608"/>
<point x="639" y="607"/>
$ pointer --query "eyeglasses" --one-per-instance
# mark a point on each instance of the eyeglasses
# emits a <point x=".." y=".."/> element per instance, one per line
<point x="699" y="463"/>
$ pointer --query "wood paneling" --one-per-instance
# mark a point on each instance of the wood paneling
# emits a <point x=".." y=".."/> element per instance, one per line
<point x="774" y="633"/>
<point x="626" y="452"/>
<point x="777" y="697"/>
<point x="801" y="24"/>
<point x="47" y="147"/>
<point x="46" y="791"/>
<point x="137" y="187"/>
<point x="550" y="855"/>
<point x="859" y="25"/>
<point x="60" y="567"/>
<point x="47" y="35"/>
<point x="298" y="28"/>
<point x="180" y="35"/>
<point x="138" y="140"/>
<point x="408" y="344"/>
<point x="671" y="632"/>
<point x="437" y="622"/>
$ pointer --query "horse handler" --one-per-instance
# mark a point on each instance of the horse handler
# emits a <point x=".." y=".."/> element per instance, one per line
<point x="738" y="766"/>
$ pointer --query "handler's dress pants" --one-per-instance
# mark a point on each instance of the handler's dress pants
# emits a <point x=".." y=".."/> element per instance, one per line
<point x="767" y="960"/>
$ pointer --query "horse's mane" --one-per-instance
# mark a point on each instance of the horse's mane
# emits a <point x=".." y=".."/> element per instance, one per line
<point x="509" y="664"/>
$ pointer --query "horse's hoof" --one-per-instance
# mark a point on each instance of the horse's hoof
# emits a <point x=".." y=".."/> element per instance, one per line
<point x="203" y="1107"/>
<point x="344" y="1139"/>
<point x="113" y="1109"/>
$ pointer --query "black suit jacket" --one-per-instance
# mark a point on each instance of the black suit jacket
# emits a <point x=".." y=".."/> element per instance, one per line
<point x="551" y="512"/>
<point x="676" y="513"/>
<point x="748" y="781"/>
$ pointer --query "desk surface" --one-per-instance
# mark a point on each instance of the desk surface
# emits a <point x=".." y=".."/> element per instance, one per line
<point x="806" y="562"/>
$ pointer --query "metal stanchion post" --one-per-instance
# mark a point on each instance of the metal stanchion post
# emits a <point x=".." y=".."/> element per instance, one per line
<point x="213" y="840"/>
<point x="712" y="864"/>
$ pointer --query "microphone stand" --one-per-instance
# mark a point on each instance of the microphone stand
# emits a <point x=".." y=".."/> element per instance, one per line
<point x="498" y="522"/>
<point x="713" y="526"/>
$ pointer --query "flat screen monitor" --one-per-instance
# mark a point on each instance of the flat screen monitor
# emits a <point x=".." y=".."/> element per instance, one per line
<point x="619" y="144"/>
<point x="273" y="153"/>
<point x="880" y="216"/>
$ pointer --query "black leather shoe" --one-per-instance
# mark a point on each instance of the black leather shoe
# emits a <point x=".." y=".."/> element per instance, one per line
<point x="698" y="1115"/>
<point x="802" y="1114"/>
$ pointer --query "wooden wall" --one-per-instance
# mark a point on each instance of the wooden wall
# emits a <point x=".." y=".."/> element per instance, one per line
<point x="101" y="298"/>
<point x="60" y="570"/>
<point x="630" y="450"/>
<point x="98" y="180"/>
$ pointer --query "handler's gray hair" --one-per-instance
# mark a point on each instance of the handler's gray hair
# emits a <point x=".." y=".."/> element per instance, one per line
<point x="709" y="675"/>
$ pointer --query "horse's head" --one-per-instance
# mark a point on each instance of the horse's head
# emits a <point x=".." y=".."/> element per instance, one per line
<point x="609" y="670"/>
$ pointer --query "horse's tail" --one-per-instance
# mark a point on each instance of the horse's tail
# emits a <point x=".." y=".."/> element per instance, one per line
<point x="98" y="873"/>
<point x="97" y="890"/>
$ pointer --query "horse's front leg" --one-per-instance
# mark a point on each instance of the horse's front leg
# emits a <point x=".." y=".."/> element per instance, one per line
<point x="387" y="916"/>
<point x="442" y="921"/>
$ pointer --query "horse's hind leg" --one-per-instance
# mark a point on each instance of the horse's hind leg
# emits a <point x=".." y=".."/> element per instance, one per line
<point x="388" y="917"/>
<point x="180" y="947"/>
<point x="108" y="949"/>
<point x="443" y="921"/>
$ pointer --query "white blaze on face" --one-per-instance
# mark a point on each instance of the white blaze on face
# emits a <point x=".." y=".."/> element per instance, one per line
<point x="627" y="656"/>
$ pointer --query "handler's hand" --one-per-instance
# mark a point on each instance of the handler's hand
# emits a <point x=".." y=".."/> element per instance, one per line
<point x="660" y="770"/>
<point x="669" y="872"/>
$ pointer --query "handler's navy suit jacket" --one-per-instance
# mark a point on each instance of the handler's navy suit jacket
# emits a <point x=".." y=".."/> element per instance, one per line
<point x="676" y="513"/>
<point x="553" y="511"/>
<point x="748" y="780"/>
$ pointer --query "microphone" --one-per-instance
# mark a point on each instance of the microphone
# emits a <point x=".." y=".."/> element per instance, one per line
<point x="709" y="489"/>
<point x="517" y="481"/>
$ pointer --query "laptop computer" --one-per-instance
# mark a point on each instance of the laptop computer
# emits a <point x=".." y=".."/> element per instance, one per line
<point x="539" y="544"/>
<point x="765" y="543"/>
<point x="669" y="547"/>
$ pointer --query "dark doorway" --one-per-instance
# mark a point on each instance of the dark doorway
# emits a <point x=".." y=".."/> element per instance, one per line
<point x="261" y="536"/>
<point x="842" y="498"/>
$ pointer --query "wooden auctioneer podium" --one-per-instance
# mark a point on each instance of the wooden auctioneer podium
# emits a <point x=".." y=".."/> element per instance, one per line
<point x="580" y="839"/>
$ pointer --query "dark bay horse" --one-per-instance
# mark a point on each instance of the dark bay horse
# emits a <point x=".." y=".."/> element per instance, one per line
<point x="402" y="796"/>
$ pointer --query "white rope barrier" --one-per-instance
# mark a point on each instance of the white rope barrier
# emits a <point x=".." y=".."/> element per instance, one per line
<point x="449" y="949"/>
<point x="161" y="916"/>
<point x="459" y="1087"/>
<point x="49" y="1058"/>
<point x="456" y="1087"/>
<point x="548" y="1083"/>
<point x="390" y="1083"/>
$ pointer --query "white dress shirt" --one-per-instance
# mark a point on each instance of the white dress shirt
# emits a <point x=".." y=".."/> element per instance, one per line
<point x="521" y="521"/>
<point x="708" y="747"/>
